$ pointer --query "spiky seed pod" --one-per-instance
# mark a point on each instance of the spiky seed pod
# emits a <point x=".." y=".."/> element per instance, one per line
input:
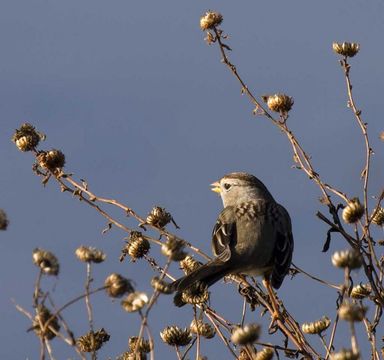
<point x="174" y="249"/>
<point x="353" y="212"/>
<point x="27" y="138"/>
<point x="361" y="291"/>
<point x="196" y="294"/>
<point x="3" y="220"/>
<point x="51" y="160"/>
<point x="134" y="301"/>
<point x="92" y="341"/>
<point x="161" y="286"/>
<point x="40" y="322"/>
<point x="46" y="261"/>
<point x="210" y="20"/>
<point x="144" y="345"/>
<point x="378" y="219"/>
<point x="137" y="246"/>
<point x="280" y="103"/>
<point x="175" y="336"/>
<point x="316" y="327"/>
<point x="352" y="312"/>
<point x="189" y="264"/>
<point x="158" y="217"/>
<point x="346" y="48"/>
<point x="345" y="354"/>
<point x="265" y="354"/>
<point x="202" y="328"/>
<point x="117" y="285"/>
<point x="90" y="254"/>
<point x="246" y="335"/>
<point x="130" y="355"/>
<point x="347" y="258"/>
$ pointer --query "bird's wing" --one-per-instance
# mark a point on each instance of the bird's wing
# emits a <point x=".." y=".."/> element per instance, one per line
<point x="282" y="255"/>
<point x="224" y="234"/>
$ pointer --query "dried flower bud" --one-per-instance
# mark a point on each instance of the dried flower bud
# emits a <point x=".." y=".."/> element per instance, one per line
<point x="174" y="249"/>
<point x="51" y="160"/>
<point x="203" y="329"/>
<point x="117" y="285"/>
<point x="280" y="103"/>
<point x="210" y="20"/>
<point x="174" y="336"/>
<point x="40" y="326"/>
<point x="90" y="254"/>
<point x="3" y="220"/>
<point x="246" y="335"/>
<point x="348" y="258"/>
<point x="316" y="327"/>
<point x="352" y="312"/>
<point x="161" y="286"/>
<point x="46" y="261"/>
<point x="158" y="217"/>
<point x="92" y="341"/>
<point x="27" y="138"/>
<point x="189" y="264"/>
<point x="345" y="354"/>
<point x="265" y="354"/>
<point x="378" y="219"/>
<point x="134" y="301"/>
<point x="346" y="48"/>
<point x="353" y="212"/>
<point x="361" y="291"/>
<point x="144" y="346"/>
<point x="136" y="247"/>
<point x="196" y="294"/>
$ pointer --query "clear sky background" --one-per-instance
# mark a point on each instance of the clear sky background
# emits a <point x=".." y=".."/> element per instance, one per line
<point x="146" y="113"/>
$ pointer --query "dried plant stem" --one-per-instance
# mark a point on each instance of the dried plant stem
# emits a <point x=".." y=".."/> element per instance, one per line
<point x="316" y="278"/>
<point x="178" y="353"/>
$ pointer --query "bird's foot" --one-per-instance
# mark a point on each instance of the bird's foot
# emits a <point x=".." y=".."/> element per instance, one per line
<point x="275" y="316"/>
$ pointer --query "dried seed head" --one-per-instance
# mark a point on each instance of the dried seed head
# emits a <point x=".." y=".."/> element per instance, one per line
<point x="174" y="249"/>
<point x="196" y="294"/>
<point x="90" y="254"/>
<point x="361" y="291"/>
<point x="246" y="335"/>
<point x="210" y="20"/>
<point x="280" y="103"/>
<point x="203" y="329"/>
<point x="378" y="219"/>
<point x="382" y="136"/>
<point x="189" y="264"/>
<point x="175" y="336"/>
<point x="316" y="327"/>
<point x="353" y="212"/>
<point x="265" y="354"/>
<point x="158" y="217"/>
<point x="136" y="247"/>
<point x="345" y="354"/>
<point x="27" y="138"/>
<point x="346" y="48"/>
<point x="246" y="353"/>
<point x="352" y="312"/>
<point x="3" y="220"/>
<point x="46" y="261"/>
<point x="117" y="285"/>
<point x="51" y="160"/>
<point x="347" y="258"/>
<point x="144" y="346"/>
<point x="92" y="341"/>
<point x="130" y="355"/>
<point x="40" y="323"/>
<point x="161" y="286"/>
<point x="134" y="301"/>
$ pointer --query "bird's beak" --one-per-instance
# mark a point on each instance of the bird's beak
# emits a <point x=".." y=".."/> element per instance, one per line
<point x="216" y="187"/>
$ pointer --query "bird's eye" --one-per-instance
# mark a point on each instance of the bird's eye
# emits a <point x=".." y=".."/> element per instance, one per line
<point x="227" y="186"/>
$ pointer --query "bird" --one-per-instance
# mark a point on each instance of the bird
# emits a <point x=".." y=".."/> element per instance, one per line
<point x="252" y="236"/>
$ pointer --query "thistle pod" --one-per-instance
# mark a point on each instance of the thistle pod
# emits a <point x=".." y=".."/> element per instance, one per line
<point x="210" y="20"/>
<point x="352" y="312"/>
<point x="46" y="261"/>
<point x="175" y="336"/>
<point x="346" y="49"/>
<point x="51" y="160"/>
<point x="361" y="291"/>
<point x="196" y="294"/>
<point x="158" y="217"/>
<point x="174" y="249"/>
<point x="27" y="138"/>
<point x="246" y="335"/>
<point x="90" y="254"/>
<point x="161" y="286"/>
<point x="203" y="329"/>
<point x="378" y="219"/>
<point x="316" y="327"/>
<point x="144" y="346"/>
<point x="353" y="212"/>
<point x="134" y="301"/>
<point x="40" y="324"/>
<point x="345" y="354"/>
<point x="117" y="285"/>
<point x="265" y="354"/>
<point x="136" y="247"/>
<point x="3" y="220"/>
<point x="347" y="259"/>
<point x="189" y="264"/>
<point x="92" y="341"/>
<point x="280" y="103"/>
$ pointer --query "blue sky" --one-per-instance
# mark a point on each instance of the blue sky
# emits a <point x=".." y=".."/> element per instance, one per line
<point x="146" y="113"/>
